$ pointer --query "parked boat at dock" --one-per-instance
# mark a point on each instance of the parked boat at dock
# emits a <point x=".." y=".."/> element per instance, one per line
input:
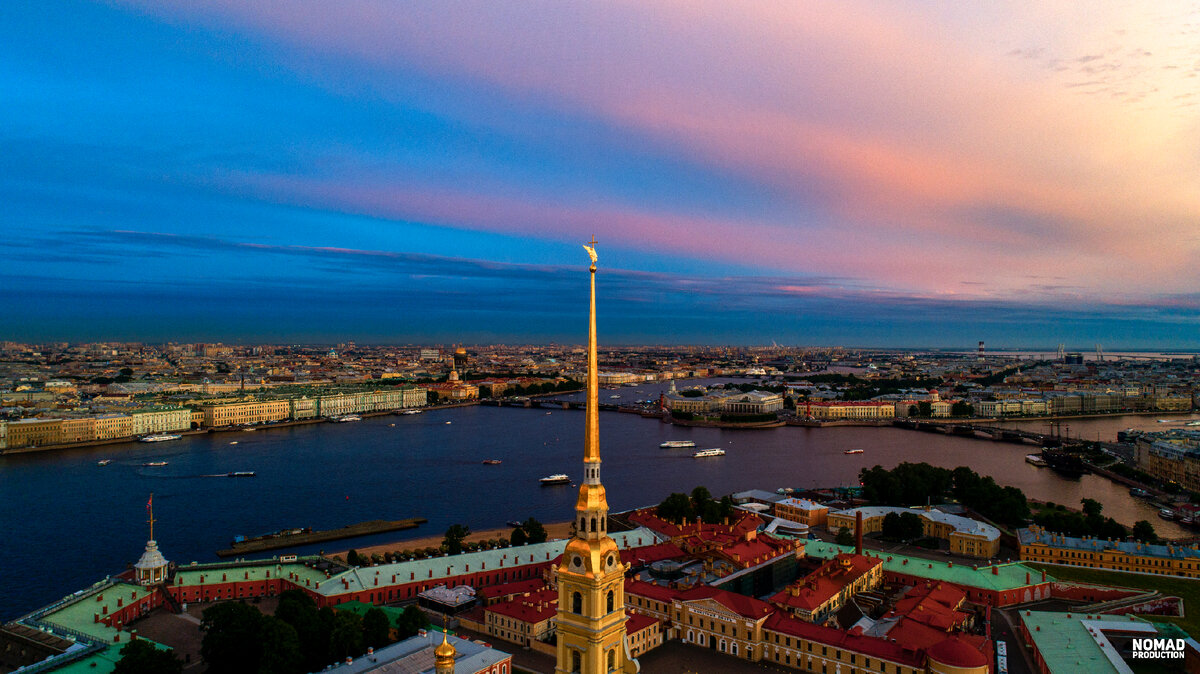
<point x="1036" y="460"/>
<point x="676" y="444"/>
<point x="159" y="437"/>
<point x="704" y="453"/>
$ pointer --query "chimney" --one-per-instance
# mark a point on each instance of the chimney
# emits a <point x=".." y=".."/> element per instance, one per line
<point x="858" y="532"/>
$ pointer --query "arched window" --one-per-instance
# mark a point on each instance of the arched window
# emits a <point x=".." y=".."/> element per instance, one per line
<point x="577" y="603"/>
<point x="610" y="601"/>
<point x="576" y="661"/>
<point x="612" y="660"/>
<point x="593" y="524"/>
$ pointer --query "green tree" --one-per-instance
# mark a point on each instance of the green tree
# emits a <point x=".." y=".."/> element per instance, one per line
<point x="231" y="637"/>
<point x="377" y="629"/>
<point x="925" y="408"/>
<point x="1144" y="532"/>
<point x="534" y="530"/>
<point x="485" y="391"/>
<point x="298" y="609"/>
<point x="962" y="409"/>
<point x="519" y="537"/>
<point x="700" y="496"/>
<point x="1091" y="507"/>
<point x="844" y="537"/>
<point x="141" y="657"/>
<point x="891" y="529"/>
<point x="279" y="645"/>
<point x="354" y="559"/>
<point x="346" y="638"/>
<point x="911" y="526"/>
<point x="411" y="621"/>
<point x="455" y="535"/>
<point x="676" y="508"/>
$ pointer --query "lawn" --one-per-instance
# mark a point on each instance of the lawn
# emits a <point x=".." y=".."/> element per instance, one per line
<point x="1186" y="589"/>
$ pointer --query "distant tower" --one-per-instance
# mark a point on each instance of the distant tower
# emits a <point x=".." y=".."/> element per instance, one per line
<point x="460" y="359"/>
<point x="443" y="656"/>
<point x="1100" y="353"/>
<point x="981" y="350"/>
<point x="151" y="569"/>
<point x="1062" y="351"/>
<point x="591" y="577"/>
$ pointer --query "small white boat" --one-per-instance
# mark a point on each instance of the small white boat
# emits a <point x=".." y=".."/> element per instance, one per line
<point x="407" y="412"/>
<point x="1192" y="423"/>
<point x="391" y="425"/>
<point x="557" y="478"/>
<point x="103" y="462"/>
<point x="676" y="444"/>
<point x="449" y="422"/>
<point x="154" y="463"/>
<point x="234" y="442"/>
<point x="159" y="437"/>
<point x="1166" y="514"/>
<point x="853" y="451"/>
<point x="1035" y="459"/>
<point x="704" y="453"/>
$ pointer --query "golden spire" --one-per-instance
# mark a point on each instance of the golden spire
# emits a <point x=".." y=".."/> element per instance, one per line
<point x="444" y="654"/>
<point x="591" y="443"/>
<point x="150" y="512"/>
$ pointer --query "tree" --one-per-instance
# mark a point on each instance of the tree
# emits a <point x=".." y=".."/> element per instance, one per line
<point x="676" y="508"/>
<point x="1144" y="532"/>
<point x="962" y="409"/>
<point x="377" y="629"/>
<point x="913" y="410"/>
<point x="231" y="637"/>
<point x="911" y="526"/>
<point x="297" y="609"/>
<point x="891" y="529"/>
<point x="1091" y="507"/>
<point x="844" y="537"/>
<point x="280" y="648"/>
<point x="925" y="408"/>
<point x="346" y="638"/>
<point x="141" y="657"/>
<point x="700" y="496"/>
<point x="411" y="621"/>
<point x="534" y="530"/>
<point x="453" y="542"/>
<point x="519" y="537"/>
<point x="355" y="559"/>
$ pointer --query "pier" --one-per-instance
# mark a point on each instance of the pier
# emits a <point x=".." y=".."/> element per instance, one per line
<point x="310" y="537"/>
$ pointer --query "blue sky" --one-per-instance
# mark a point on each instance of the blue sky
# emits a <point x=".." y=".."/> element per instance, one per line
<point x="425" y="173"/>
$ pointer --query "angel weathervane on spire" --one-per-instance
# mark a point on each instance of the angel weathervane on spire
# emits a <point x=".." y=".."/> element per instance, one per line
<point x="591" y="251"/>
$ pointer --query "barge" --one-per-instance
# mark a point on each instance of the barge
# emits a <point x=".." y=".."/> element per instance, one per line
<point x="288" y="538"/>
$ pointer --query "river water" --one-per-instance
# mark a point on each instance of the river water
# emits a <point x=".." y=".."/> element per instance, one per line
<point x="65" y="522"/>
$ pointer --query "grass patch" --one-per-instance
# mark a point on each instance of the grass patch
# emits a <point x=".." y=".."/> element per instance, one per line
<point x="1186" y="589"/>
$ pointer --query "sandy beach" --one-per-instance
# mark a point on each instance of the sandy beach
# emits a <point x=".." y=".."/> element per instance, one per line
<point x="553" y="531"/>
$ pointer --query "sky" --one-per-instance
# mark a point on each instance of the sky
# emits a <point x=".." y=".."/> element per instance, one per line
<point x="861" y="174"/>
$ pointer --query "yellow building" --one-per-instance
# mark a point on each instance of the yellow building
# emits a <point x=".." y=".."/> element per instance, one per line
<point x="803" y="511"/>
<point x="161" y="420"/>
<point x="79" y="430"/>
<point x="850" y="410"/>
<point x="250" y="412"/>
<point x="591" y="577"/>
<point x="967" y="537"/>
<point x="34" y="433"/>
<point x="1038" y="545"/>
<point x="112" y="426"/>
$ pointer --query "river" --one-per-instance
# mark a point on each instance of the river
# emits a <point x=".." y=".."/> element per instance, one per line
<point x="67" y="521"/>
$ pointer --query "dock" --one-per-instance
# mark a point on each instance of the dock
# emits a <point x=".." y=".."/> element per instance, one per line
<point x="310" y="537"/>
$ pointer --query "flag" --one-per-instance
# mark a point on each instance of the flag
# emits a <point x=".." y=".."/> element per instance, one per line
<point x="150" y="503"/>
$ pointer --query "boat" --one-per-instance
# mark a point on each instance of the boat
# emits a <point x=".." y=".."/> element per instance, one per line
<point x="391" y="425"/>
<point x="155" y="463"/>
<point x="676" y="444"/>
<point x="1164" y="421"/>
<point x="1035" y="459"/>
<point x="716" y="451"/>
<point x="449" y="422"/>
<point x="557" y="478"/>
<point x="1193" y="423"/>
<point x="786" y="491"/>
<point x="853" y="451"/>
<point x="159" y="437"/>
<point x="514" y="524"/>
<point x="1139" y="492"/>
<point x="234" y="442"/>
<point x="614" y="397"/>
<point x="343" y="419"/>
<point x="248" y="430"/>
<point x="491" y="462"/>
<point x="1166" y="514"/>
<point x="1063" y="463"/>
<point x="240" y="473"/>
<point x="407" y="412"/>
<point x="103" y="462"/>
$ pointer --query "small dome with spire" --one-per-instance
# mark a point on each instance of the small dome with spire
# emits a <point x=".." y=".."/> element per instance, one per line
<point x="443" y="656"/>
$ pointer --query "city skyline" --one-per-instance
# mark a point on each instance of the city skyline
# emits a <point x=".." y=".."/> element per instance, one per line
<point x="862" y="176"/>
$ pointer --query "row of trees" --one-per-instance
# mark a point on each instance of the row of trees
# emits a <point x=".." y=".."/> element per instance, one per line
<point x="530" y="531"/>
<point x="1090" y="522"/>
<point x="454" y="542"/>
<point x="680" y="508"/>
<point x="238" y="638"/>
<point x="917" y="483"/>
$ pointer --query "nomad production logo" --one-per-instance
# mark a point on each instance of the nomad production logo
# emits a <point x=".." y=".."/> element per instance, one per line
<point x="1147" y="649"/>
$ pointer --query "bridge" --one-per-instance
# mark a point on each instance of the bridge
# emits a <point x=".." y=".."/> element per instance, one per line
<point x="558" y="404"/>
<point x="980" y="432"/>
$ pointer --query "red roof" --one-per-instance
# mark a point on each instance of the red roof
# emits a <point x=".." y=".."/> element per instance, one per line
<point x="872" y="646"/>
<point x="956" y="652"/>
<point x="932" y="605"/>
<point x="747" y="607"/>
<point x="818" y="587"/>
<point x="516" y="587"/>
<point x="535" y="608"/>
<point x="651" y="553"/>
<point x="650" y="591"/>
<point x="636" y="622"/>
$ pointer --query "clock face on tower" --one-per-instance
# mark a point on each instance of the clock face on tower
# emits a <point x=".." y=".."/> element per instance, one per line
<point x="576" y="561"/>
<point x="610" y="561"/>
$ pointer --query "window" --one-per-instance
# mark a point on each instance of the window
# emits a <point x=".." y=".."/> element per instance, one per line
<point x="610" y="601"/>
<point x="612" y="660"/>
<point x="576" y="603"/>
<point x="576" y="661"/>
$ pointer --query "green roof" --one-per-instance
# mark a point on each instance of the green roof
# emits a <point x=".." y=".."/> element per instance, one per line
<point x="1007" y="576"/>
<point x="1075" y="642"/>
<point x="79" y="615"/>
<point x="190" y="575"/>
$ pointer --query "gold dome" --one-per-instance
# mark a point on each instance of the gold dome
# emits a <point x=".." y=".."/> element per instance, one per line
<point x="445" y="650"/>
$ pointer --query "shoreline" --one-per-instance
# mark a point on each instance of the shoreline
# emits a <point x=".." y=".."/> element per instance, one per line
<point x="554" y="531"/>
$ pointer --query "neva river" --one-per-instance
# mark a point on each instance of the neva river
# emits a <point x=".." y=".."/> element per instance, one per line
<point x="67" y="522"/>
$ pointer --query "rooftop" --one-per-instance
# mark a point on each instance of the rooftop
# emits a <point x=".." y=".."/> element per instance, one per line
<point x="1037" y="535"/>
<point x="962" y="525"/>
<point x="1073" y="642"/>
<point x="1009" y="576"/>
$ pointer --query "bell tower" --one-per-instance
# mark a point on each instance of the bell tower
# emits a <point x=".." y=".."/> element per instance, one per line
<point x="591" y="577"/>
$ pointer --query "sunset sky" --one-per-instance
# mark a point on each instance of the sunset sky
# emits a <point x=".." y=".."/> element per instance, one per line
<point x="861" y="174"/>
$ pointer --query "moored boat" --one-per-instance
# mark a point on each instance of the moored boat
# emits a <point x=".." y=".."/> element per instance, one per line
<point x="1166" y="514"/>
<point x="676" y="444"/>
<point x="1139" y="492"/>
<point x="853" y="451"/>
<point x="240" y="473"/>
<point x="345" y="418"/>
<point x="155" y="463"/>
<point x="557" y="478"/>
<point x="1036" y="460"/>
<point x="704" y="453"/>
<point x="103" y="462"/>
<point x="159" y="437"/>
<point x="410" y="412"/>
<point x="491" y="462"/>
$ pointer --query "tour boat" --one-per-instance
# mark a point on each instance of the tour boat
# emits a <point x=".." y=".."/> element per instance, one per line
<point x="449" y="422"/>
<point x="159" y="437"/>
<point x="716" y="451"/>
<point x="411" y="412"/>
<point x="234" y="442"/>
<point x="344" y="418"/>
<point x="1166" y="514"/>
<point x="491" y="462"/>
<point x="676" y="444"/>
<point x="103" y="462"/>
<point x="155" y="463"/>
<point x="853" y="451"/>
<point x="557" y="478"/>
<point x="241" y="473"/>
<point x="1139" y="492"/>
<point x="1035" y="459"/>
